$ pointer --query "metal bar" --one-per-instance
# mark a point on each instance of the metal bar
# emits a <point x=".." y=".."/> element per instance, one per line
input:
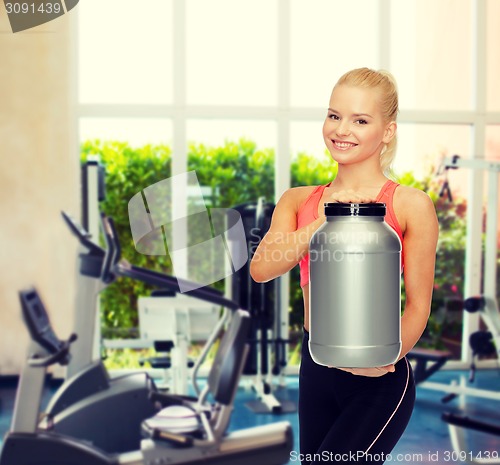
<point x="479" y="164"/>
<point x="460" y="390"/>
<point x="384" y="34"/>
<point x="491" y="247"/>
<point x="179" y="195"/>
<point x="26" y="412"/>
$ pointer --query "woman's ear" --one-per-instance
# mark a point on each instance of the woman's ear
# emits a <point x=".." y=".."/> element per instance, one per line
<point x="390" y="132"/>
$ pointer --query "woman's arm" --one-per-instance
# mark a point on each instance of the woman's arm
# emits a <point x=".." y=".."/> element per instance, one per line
<point x="284" y="245"/>
<point x="420" y="242"/>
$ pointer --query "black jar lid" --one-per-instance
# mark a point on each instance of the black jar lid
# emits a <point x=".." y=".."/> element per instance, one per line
<point x="354" y="209"/>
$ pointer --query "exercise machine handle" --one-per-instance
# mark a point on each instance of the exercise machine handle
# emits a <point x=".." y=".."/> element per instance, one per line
<point x="112" y="251"/>
<point x="91" y="262"/>
<point x="112" y="266"/>
<point x="158" y="279"/>
<point x="82" y="234"/>
<point x="164" y="281"/>
<point x="62" y="356"/>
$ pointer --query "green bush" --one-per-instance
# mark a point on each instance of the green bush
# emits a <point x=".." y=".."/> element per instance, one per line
<point x="128" y="171"/>
<point x="237" y="173"/>
<point x="450" y="262"/>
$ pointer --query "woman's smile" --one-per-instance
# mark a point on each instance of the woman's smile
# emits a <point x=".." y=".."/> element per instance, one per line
<point x="343" y="145"/>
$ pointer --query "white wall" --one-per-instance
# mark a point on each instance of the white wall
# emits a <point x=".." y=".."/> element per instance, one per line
<point x="38" y="177"/>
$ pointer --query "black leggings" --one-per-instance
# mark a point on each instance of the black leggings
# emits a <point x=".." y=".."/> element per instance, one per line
<point x="349" y="418"/>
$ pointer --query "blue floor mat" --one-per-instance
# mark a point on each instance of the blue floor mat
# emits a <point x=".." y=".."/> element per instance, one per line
<point x="425" y="441"/>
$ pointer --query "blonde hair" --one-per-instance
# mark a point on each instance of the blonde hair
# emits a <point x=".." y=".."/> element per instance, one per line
<point x="386" y="84"/>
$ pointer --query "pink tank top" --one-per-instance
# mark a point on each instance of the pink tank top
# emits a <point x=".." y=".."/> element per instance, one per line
<point x="308" y="212"/>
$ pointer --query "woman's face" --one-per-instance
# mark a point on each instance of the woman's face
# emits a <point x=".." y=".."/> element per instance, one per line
<point x="354" y="129"/>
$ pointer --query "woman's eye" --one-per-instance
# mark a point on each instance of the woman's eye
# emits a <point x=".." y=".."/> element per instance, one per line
<point x="335" y="117"/>
<point x="361" y="121"/>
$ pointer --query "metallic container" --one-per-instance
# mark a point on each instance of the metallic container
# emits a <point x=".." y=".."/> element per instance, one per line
<point x="355" y="288"/>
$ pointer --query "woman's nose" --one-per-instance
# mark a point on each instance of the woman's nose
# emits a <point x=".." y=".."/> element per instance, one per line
<point x="342" y="129"/>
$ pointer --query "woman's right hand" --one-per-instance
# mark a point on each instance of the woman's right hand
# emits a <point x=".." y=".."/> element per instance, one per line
<point x="350" y="196"/>
<point x="375" y="372"/>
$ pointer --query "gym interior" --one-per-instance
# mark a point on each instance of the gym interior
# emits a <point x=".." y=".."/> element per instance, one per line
<point x="217" y="104"/>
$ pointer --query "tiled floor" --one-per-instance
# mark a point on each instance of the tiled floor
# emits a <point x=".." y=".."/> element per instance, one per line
<point x="426" y="440"/>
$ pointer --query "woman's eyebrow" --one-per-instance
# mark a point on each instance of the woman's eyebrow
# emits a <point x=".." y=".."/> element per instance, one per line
<point x="356" y="115"/>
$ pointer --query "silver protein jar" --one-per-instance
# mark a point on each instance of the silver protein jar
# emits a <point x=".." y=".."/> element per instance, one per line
<point x="355" y="288"/>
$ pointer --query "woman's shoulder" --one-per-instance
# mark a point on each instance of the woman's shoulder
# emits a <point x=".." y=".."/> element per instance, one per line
<point x="297" y="195"/>
<point x="412" y="204"/>
<point x="412" y="194"/>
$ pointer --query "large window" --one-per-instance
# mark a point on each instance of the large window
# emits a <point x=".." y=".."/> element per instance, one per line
<point x="114" y="45"/>
<point x="205" y="71"/>
<point x="326" y="39"/>
<point x="231" y="52"/>
<point x="434" y="64"/>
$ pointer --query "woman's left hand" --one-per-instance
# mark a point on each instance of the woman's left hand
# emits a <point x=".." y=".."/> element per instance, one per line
<point x="371" y="372"/>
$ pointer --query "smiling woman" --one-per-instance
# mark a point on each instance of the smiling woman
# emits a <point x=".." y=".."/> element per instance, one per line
<point x="359" y="132"/>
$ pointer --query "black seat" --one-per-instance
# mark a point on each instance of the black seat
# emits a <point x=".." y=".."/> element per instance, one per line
<point x="423" y="357"/>
<point x="467" y="422"/>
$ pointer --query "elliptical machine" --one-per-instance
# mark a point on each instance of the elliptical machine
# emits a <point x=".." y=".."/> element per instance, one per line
<point x="186" y="430"/>
<point x="90" y="405"/>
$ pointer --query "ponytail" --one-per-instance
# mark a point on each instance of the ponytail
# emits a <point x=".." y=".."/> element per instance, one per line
<point x="387" y="156"/>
